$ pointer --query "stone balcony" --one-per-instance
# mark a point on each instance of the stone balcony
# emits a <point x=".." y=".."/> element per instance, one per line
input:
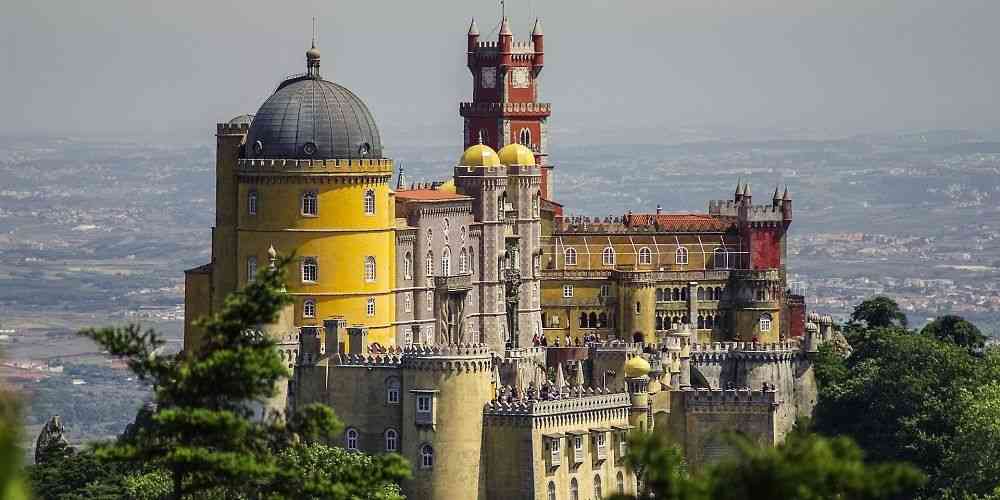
<point x="454" y="283"/>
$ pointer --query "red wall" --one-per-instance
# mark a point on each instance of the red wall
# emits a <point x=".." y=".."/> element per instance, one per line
<point x="765" y="248"/>
<point x="796" y="316"/>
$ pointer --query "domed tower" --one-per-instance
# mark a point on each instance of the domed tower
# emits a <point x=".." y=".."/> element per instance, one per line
<point x="637" y="380"/>
<point x="524" y="195"/>
<point x="308" y="177"/>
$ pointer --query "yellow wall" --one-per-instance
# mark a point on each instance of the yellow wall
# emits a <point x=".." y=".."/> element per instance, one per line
<point x="339" y="236"/>
<point x="197" y="304"/>
<point x="586" y="298"/>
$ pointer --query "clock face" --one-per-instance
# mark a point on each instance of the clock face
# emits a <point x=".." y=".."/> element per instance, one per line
<point x="519" y="78"/>
<point x="489" y="77"/>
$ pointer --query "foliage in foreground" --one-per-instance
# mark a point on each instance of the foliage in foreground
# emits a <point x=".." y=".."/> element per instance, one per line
<point x="929" y="398"/>
<point x="805" y="467"/>
<point x="204" y="439"/>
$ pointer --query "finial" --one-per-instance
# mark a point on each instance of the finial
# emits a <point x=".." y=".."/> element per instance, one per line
<point x="480" y="137"/>
<point x="775" y="197"/>
<point x="271" y="252"/>
<point x="537" y="30"/>
<point x="785" y="196"/>
<point x="746" y="189"/>
<point x="505" y="28"/>
<point x="739" y="186"/>
<point x="314" y="33"/>
<point x="473" y="28"/>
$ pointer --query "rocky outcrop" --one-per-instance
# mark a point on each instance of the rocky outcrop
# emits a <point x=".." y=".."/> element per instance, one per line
<point x="51" y="441"/>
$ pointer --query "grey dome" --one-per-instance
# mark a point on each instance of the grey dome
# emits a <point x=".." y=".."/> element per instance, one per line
<point x="310" y="118"/>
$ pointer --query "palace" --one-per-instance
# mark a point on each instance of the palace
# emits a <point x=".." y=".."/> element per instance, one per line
<point x="503" y="347"/>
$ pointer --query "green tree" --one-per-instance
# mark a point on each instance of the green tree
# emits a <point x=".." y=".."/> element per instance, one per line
<point x="804" y="467"/>
<point x="974" y="460"/>
<point x="957" y="330"/>
<point x="879" y="312"/>
<point x="11" y="481"/>
<point x="204" y="433"/>
<point x="333" y="472"/>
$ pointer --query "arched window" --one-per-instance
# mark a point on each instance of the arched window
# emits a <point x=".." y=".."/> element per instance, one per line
<point x="446" y="229"/>
<point x="717" y="293"/>
<point x="701" y="293"/>
<point x="659" y="323"/>
<point x="484" y="136"/>
<point x="252" y="203"/>
<point x="370" y="269"/>
<point x="574" y="490"/>
<point x="720" y="258"/>
<point x="463" y="262"/>
<point x="676" y="294"/>
<point x="472" y="260"/>
<point x="371" y="306"/>
<point x="608" y="256"/>
<point x="701" y="322"/>
<point x="598" y="487"/>
<point x="592" y="320"/>
<point x="765" y="322"/>
<point x="681" y="256"/>
<point x="659" y="295"/>
<point x="407" y="302"/>
<point x="408" y="266"/>
<point x="552" y="490"/>
<point x="429" y="265"/>
<point x="309" y="203"/>
<point x="583" y="320"/>
<point x="645" y="256"/>
<point x="524" y="137"/>
<point x="391" y="440"/>
<point x="309" y="308"/>
<point x="351" y="439"/>
<point x="709" y="322"/>
<point x="535" y="202"/>
<point x="251" y="268"/>
<point x="602" y="320"/>
<point x="310" y="270"/>
<point x="392" y="390"/>
<point x="426" y="457"/>
<point x="570" y="254"/>
<point x="621" y="482"/>
<point x="684" y="294"/>
<point x="446" y="262"/>
<point x="370" y="202"/>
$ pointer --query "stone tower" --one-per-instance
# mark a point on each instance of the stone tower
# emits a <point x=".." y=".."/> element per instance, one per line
<point x="504" y="107"/>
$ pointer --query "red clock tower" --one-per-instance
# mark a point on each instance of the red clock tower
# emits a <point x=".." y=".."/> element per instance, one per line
<point x="505" y="107"/>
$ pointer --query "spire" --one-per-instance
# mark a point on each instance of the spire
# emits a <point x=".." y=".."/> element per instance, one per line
<point x="401" y="179"/>
<point x="473" y="28"/>
<point x="739" y="186"/>
<point x="785" y="196"/>
<point x="312" y="56"/>
<point x="505" y="28"/>
<point x="537" y="30"/>
<point x="746" y="189"/>
<point x="775" y="197"/>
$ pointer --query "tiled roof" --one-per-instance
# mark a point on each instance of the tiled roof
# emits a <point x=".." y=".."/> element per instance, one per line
<point x="429" y="195"/>
<point x="680" y="221"/>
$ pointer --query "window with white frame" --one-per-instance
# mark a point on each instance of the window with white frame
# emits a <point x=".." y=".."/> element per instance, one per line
<point x="408" y="266"/>
<point x="463" y="262"/>
<point x="567" y="291"/>
<point x="765" y="322"/>
<point x="429" y="265"/>
<point x="429" y="298"/>
<point x="426" y="457"/>
<point x="524" y="137"/>
<point x="720" y="258"/>
<point x="309" y="308"/>
<point x="392" y="391"/>
<point x="391" y="440"/>
<point x="371" y="306"/>
<point x="407" y="302"/>
<point x="369" y="203"/>
<point x="351" y="439"/>
<point x="309" y="203"/>
<point x="251" y="268"/>
<point x="446" y="262"/>
<point x="370" y="269"/>
<point x="570" y="256"/>
<point x="598" y="487"/>
<point x="252" y="203"/>
<point x="608" y="256"/>
<point x="424" y="402"/>
<point x="605" y="290"/>
<point x="645" y="256"/>
<point x="310" y="270"/>
<point x="681" y="256"/>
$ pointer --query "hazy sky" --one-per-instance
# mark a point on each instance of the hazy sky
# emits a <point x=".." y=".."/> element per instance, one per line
<point x="175" y="68"/>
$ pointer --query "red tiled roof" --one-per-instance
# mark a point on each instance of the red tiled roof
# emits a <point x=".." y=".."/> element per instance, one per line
<point x="429" y="195"/>
<point x="680" y="222"/>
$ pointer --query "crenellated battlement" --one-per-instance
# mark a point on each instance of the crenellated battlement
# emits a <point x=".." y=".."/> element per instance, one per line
<point x="491" y="109"/>
<point x="705" y="399"/>
<point x="755" y="351"/>
<point x="356" y="166"/>
<point x="232" y="128"/>
<point x="588" y="400"/>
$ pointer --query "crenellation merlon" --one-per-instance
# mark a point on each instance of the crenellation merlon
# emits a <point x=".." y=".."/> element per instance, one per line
<point x="703" y="397"/>
<point x="569" y="405"/>
<point x="379" y="166"/>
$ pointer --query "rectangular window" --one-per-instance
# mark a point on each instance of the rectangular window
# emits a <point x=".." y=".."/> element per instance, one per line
<point x="407" y="302"/>
<point x="309" y="203"/>
<point x="310" y="270"/>
<point x="371" y="306"/>
<point x="252" y="203"/>
<point x="605" y="290"/>
<point x="430" y="300"/>
<point x="424" y="404"/>
<point x="567" y="291"/>
<point x="251" y="268"/>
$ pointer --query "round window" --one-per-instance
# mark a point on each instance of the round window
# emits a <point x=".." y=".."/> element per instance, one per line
<point x="309" y="148"/>
<point x="258" y="147"/>
<point x="364" y="149"/>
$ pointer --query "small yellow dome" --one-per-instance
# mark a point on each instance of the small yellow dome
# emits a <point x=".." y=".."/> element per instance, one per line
<point x="637" y="367"/>
<point x="479" y="155"/>
<point x="516" y="154"/>
<point x="448" y="186"/>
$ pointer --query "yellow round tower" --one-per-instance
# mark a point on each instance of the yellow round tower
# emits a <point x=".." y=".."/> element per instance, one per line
<point x="312" y="182"/>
